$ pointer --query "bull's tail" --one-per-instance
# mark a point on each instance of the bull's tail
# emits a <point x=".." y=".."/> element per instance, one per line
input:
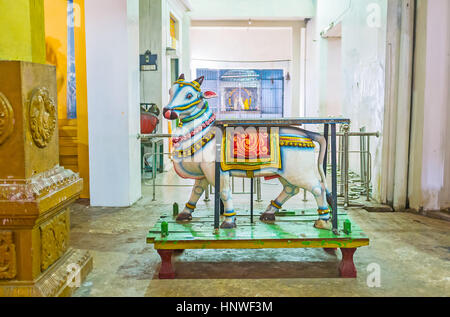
<point x="316" y="137"/>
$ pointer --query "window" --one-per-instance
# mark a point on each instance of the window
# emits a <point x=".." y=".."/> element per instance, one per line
<point x="173" y="32"/>
<point x="245" y="92"/>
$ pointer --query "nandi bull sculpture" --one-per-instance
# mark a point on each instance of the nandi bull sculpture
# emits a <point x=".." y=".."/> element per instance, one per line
<point x="285" y="153"/>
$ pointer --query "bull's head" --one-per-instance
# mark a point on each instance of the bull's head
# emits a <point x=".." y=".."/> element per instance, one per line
<point x="186" y="98"/>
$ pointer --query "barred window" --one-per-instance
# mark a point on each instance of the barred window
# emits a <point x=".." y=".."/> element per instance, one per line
<point x="250" y="93"/>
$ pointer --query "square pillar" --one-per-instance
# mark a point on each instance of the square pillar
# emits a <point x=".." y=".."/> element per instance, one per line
<point x="23" y="31"/>
<point x="112" y="57"/>
<point x="35" y="192"/>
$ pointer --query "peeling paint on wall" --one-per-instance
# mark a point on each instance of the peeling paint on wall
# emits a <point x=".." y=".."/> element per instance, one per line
<point x="363" y="69"/>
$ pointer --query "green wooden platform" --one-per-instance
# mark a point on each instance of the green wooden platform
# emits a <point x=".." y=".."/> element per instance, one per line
<point x="293" y="229"/>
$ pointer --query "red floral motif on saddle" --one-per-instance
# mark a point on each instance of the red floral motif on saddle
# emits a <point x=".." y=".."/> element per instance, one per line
<point x="251" y="145"/>
<point x="251" y="149"/>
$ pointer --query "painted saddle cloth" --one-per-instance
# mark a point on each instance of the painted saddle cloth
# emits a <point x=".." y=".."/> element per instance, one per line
<point x="251" y="149"/>
<point x="257" y="148"/>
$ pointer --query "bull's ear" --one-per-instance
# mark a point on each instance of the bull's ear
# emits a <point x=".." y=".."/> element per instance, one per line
<point x="209" y="94"/>
<point x="181" y="77"/>
<point x="200" y="80"/>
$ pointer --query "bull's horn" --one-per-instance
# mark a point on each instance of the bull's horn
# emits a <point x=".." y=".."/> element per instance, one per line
<point x="200" y="80"/>
<point x="181" y="77"/>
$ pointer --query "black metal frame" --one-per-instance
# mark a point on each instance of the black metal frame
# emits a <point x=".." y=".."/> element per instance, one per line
<point x="282" y="122"/>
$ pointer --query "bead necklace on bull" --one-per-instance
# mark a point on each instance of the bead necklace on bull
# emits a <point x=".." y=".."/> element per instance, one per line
<point x="291" y="158"/>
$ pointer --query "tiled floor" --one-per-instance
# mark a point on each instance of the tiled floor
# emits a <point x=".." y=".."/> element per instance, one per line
<point x="412" y="251"/>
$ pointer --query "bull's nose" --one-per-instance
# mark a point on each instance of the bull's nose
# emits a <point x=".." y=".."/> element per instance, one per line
<point x="169" y="114"/>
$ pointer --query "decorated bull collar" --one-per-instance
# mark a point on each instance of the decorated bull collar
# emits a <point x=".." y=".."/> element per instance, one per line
<point x="197" y="146"/>
<point x="199" y="129"/>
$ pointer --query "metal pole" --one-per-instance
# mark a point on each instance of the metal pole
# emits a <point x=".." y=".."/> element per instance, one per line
<point x="207" y="194"/>
<point x="232" y="185"/>
<point x="341" y="163"/>
<point x="251" y="199"/>
<point x="325" y="134"/>
<point x="368" y="171"/>
<point x="258" y="189"/>
<point x="362" y="147"/>
<point x="154" y="170"/>
<point x="217" y="182"/>
<point x="334" y="178"/>
<point x="346" y="143"/>
<point x="304" y="195"/>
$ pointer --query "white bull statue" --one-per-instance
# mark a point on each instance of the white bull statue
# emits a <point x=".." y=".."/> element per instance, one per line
<point x="285" y="153"/>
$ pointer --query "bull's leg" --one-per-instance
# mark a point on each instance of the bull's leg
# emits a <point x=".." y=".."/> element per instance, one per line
<point x="226" y="196"/>
<point x="319" y="192"/>
<point x="288" y="192"/>
<point x="310" y="183"/>
<point x="197" y="192"/>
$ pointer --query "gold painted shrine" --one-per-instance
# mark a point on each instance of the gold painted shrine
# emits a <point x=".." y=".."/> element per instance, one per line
<point x="35" y="192"/>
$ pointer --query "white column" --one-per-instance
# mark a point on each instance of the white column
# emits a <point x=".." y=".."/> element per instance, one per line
<point x="436" y="154"/>
<point x="112" y="49"/>
<point x="302" y="71"/>
<point x="429" y="166"/>
<point x="404" y="105"/>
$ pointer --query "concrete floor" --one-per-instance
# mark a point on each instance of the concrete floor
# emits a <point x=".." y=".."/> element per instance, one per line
<point x="412" y="251"/>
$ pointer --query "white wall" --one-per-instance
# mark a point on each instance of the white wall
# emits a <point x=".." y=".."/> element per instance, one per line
<point x="241" y="43"/>
<point x="363" y="69"/>
<point x="312" y="70"/>
<point x="261" y="45"/>
<point x="151" y="38"/>
<point x="436" y="156"/>
<point x="155" y="31"/>
<point x="334" y="78"/>
<point x="429" y="184"/>
<point x="113" y="101"/>
<point x="255" y="9"/>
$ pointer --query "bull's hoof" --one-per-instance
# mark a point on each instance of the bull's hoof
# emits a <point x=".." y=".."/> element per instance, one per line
<point x="184" y="217"/>
<point x="322" y="224"/>
<point x="267" y="217"/>
<point x="228" y="225"/>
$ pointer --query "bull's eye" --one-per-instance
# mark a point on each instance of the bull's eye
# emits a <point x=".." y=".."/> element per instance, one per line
<point x="189" y="96"/>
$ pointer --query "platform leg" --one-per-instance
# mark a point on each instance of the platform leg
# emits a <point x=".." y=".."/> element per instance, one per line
<point x="331" y="251"/>
<point x="166" y="271"/>
<point x="347" y="268"/>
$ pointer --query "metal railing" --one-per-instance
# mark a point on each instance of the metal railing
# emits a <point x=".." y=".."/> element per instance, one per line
<point x="154" y="154"/>
<point x="351" y="185"/>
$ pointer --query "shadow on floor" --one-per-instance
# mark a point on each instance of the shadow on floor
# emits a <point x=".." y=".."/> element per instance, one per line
<point x="254" y="270"/>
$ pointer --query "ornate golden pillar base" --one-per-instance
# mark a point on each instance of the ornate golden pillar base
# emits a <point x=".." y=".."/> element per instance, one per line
<point x="61" y="280"/>
<point x="35" y="192"/>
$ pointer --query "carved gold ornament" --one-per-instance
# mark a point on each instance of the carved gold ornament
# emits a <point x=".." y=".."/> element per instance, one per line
<point x="6" y="118"/>
<point x="42" y="117"/>
<point x="54" y="239"/>
<point x="8" y="269"/>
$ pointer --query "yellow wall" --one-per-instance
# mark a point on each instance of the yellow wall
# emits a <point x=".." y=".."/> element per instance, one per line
<point x="56" y="43"/>
<point x="22" y="30"/>
<point x="74" y="142"/>
<point x="36" y="31"/>
<point x="82" y="110"/>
